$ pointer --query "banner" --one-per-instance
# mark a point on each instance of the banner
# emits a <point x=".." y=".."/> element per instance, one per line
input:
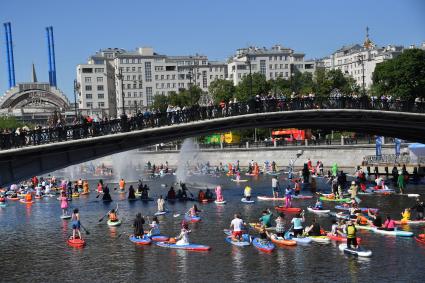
<point x="397" y="143"/>
<point x="378" y="143"/>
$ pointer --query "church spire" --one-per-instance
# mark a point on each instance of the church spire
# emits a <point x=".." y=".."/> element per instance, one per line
<point x="368" y="43"/>
<point x="34" y="75"/>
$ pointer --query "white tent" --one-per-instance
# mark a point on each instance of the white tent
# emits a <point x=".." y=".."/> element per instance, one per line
<point x="416" y="150"/>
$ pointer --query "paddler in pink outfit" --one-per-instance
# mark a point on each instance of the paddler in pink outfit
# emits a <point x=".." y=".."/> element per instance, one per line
<point x="219" y="194"/>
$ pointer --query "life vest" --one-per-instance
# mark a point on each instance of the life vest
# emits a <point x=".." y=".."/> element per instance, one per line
<point x="28" y="197"/>
<point x="351" y="231"/>
<point x="122" y="184"/>
<point x="362" y="220"/>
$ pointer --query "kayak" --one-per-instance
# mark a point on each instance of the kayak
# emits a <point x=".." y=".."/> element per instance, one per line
<point x="192" y="219"/>
<point x="26" y="202"/>
<point x="301" y="240"/>
<point x="65" y="217"/>
<point x="263" y="245"/>
<point x="363" y="209"/>
<point x="269" y="198"/>
<point x="410" y="222"/>
<point x="318" y="211"/>
<point x="114" y="223"/>
<point x="301" y="197"/>
<point x="240" y="180"/>
<point x="288" y="209"/>
<point x="340" y="238"/>
<point x="320" y="239"/>
<point x="282" y="241"/>
<point x="75" y="195"/>
<point x="145" y="240"/>
<point x="220" y="202"/>
<point x="396" y="232"/>
<point x="159" y="238"/>
<point x="357" y="252"/>
<point x="160" y="213"/>
<point x="76" y="243"/>
<point x="247" y="201"/>
<point x="335" y="199"/>
<point x="189" y="247"/>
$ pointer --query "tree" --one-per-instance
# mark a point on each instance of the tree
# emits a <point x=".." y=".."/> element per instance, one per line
<point x="302" y="82"/>
<point x="221" y="90"/>
<point x="326" y="81"/>
<point x="160" y="101"/>
<point x="280" y="86"/>
<point x="259" y="86"/>
<point x="403" y="76"/>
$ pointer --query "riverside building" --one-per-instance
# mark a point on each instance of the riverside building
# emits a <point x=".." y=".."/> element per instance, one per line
<point x="278" y="61"/>
<point x="115" y="80"/>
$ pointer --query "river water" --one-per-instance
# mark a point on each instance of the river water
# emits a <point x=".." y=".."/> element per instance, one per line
<point x="33" y="244"/>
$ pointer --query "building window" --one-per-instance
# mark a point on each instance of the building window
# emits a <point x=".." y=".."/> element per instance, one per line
<point x="101" y="104"/>
<point x="263" y="67"/>
<point x="88" y="96"/>
<point x="89" y="104"/>
<point x="148" y="72"/>
<point x="149" y="97"/>
<point x="100" y="96"/>
<point x="88" y="87"/>
<point x="99" y="79"/>
<point x="99" y="70"/>
<point x="100" y="87"/>
<point x="271" y="75"/>
<point x="271" y="67"/>
<point x="87" y="79"/>
<point x="133" y="69"/>
<point x="139" y="69"/>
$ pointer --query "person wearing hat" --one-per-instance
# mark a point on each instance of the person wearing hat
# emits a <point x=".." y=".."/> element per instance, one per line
<point x="354" y="189"/>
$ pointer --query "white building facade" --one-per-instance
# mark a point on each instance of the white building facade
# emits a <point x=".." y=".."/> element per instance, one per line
<point x="129" y="80"/>
<point x="273" y="63"/>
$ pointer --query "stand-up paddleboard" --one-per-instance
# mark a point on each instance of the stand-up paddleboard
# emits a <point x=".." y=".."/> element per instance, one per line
<point x="282" y="241"/>
<point x="363" y="209"/>
<point x="396" y="232"/>
<point x="357" y="252"/>
<point x="26" y="202"/>
<point x="189" y="247"/>
<point x="335" y="199"/>
<point x="318" y="211"/>
<point x="220" y="202"/>
<point x="114" y="223"/>
<point x="320" y="239"/>
<point x="145" y="240"/>
<point x="158" y="213"/>
<point x="240" y="180"/>
<point x="301" y="197"/>
<point x="65" y="217"/>
<point x="246" y="240"/>
<point x="192" y="219"/>
<point x="340" y="238"/>
<point x="270" y="198"/>
<point x="299" y="240"/>
<point x="288" y="209"/>
<point x="160" y="238"/>
<point x="247" y="201"/>
<point x="76" y="243"/>
<point x="263" y="245"/>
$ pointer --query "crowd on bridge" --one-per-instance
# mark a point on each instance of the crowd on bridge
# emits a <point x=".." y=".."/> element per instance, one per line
<point x="86" y="126"/>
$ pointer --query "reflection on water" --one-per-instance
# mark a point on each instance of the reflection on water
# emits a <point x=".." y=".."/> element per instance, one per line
<point x="36" y="235"/>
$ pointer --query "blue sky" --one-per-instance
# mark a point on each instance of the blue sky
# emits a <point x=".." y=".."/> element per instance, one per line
<point x="215" y="28"/>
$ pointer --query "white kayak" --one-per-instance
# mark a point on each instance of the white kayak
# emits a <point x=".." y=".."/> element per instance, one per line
<point x="65" y="216"/>
<point x="240" y="180"/>
<point x="247" y="201"/>
<point x="160" y="213"/>
<point x="358" y="252"/>
<point x="220" y="202"/>
<point x="318" y="211"/>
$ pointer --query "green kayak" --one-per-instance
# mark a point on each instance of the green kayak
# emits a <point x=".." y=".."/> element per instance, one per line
<point x="335" y="199"/>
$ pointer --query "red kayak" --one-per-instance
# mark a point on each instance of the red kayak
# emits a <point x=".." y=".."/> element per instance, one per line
<point x="340" y="238"/>
<point x="288" y="209"/>
<point x="76" y="243"/>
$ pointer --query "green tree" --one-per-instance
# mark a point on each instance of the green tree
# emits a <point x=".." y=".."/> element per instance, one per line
<point x="160" y="101"/>
<point x="221" y="90"/>
<point x="403" y="76"/>
<point x="259" y="86"/>
<point x="280" y="86"/>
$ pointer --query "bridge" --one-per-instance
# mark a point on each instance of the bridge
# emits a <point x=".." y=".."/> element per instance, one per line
<point x="37" y="158"/>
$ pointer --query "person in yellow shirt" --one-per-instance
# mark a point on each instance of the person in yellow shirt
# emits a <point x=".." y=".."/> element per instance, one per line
<point x="405" y="215"/>
<point x="247" y="193"/>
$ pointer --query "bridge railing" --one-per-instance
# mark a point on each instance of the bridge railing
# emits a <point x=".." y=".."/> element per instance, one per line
<point x="11" y="138"/>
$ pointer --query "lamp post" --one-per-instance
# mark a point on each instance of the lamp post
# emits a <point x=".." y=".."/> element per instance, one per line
<point x="120" y="77"/>
<point x="76" y="89"/>
<point x="361" y="61"/>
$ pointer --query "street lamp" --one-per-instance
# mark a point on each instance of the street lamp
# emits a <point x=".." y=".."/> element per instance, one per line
<point x="361" y="61"/>
<point x="76" y="89"/>
<point x="120" y="77"/>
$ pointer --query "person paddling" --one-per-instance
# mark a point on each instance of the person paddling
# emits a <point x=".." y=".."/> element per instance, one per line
<point x="75" y="218"/>
<point x="247" y="193"/>
<point x="113" y="215"/>
<point x="389" y="224"/>
<point x="122" y="184"/>
<point x="64" y="204"/>
<point x="161" y="204"/>
<point x="237" y="226"/>
<point x="154" y="227"/>
<point x="351" y="235"/>
<point x="131" y="193"/>
<point x="138" y="226"/>
<point x="275" y="187"/>
<point x="183" y="237"/>
<point x="106" y="194"/>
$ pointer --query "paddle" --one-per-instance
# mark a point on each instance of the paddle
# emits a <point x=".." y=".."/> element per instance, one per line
<point x="103" y="217"/>
<point x="85" y="230"/>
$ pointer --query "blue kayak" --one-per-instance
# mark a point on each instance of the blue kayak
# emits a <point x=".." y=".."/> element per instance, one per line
<point x="145" y="240"/>
<point x="189" y="247"/>
<point x="263" y="245"/>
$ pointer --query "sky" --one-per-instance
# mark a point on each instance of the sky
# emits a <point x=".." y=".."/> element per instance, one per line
<point x="215" y="28"/>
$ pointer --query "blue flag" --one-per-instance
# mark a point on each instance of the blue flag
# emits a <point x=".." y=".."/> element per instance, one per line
<point x="397" y="143"/>
<point x="378" y="142"/>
